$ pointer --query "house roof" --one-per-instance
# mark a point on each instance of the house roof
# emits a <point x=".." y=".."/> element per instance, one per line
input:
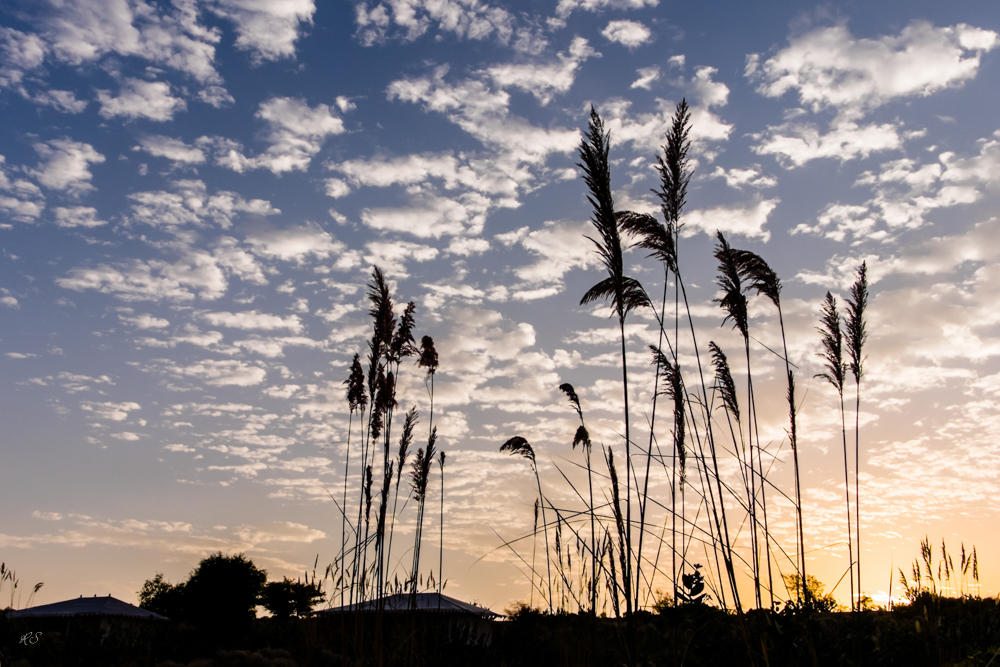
<point x="424" y="602"/>
<point x="81" y="606"/>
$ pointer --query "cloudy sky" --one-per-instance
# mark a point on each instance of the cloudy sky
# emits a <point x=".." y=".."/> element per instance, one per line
<point x="193" y="195"/>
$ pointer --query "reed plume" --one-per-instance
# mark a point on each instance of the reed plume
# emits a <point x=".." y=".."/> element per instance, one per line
<point x="730" y="279"/>
<point x="518" y="446"/>
<point x="857" y="336"/>
<point x="441" y="458"/>
<point x="832" y="355"/>
<point x="582" y="438"/>
<point x="356" y="401"/>
<point x="625" y="293"/>
<point x="419" y="478"/>
<point x="765" y="281"/>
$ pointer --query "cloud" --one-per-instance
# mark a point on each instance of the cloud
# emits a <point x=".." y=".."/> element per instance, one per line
<point x="21" y="52"/>
<point x="795" y="144"/>
<point x="566" y="7"/>
<point x="391" y="257"/>
<point x="906" y="190"/>
<point x="197" y="274"/>
<point x="268" y="30"/>
<point x="223" y="373"/>
<point x="737" y="178"/>
<point x="295" y="243"/>
<point x="254" y="320"/>
<point x="485" y="114"/>
<point x="172" y="149"/>
<point x="279" y="531"/>
<point x="82" y="31"/>
<point x="60" y="100"/>
<point x="543" y="80"/>
<point x="141" y="99"/>
<point x="467" y="19"/>
<point x="27" y="201"/>
<point x="627" y="33"/>
<point x="297" y="132"/>
<point x="647" y="75"/>
<point x="645" y="131"/>
<point x="828" y="67"/>
<point x="191" y="204"/>
<point x="453" y="172"/>
<point x="145" y="321"/>
<point x="110" y="411"/>
<point x="432" y="216"/>
<point x="66" y="165"/>
<point x="745" y="220"/>
<point x="559" y="247"/>
<point x="77" y="216"/>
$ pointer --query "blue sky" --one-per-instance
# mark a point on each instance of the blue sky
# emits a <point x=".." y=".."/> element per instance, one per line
<point x="193" y="194"/>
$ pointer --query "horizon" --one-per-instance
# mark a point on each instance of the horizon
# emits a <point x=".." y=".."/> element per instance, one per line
<point x="193" y="196"/>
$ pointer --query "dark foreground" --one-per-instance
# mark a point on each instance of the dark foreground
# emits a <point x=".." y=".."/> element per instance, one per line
<point x="932" y="631"/>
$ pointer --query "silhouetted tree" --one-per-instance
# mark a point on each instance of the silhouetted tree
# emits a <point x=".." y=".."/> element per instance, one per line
<point x="222" y="593"/>
<point x="286" y="598"/>
<point x="161" y="597"/>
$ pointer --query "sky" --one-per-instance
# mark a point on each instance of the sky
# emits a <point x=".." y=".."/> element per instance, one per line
<point x="193" y="195"/>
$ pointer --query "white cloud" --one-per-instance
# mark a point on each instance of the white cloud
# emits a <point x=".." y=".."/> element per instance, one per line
<point x="82" y="31"/>
<point x="429" y="215"/>
<point x="111" y="411"/>
<point x="453" y="171"/>
<point x="191" y="204"/>
<point x="77" y="216"/>
<point x="830" y="68"/>
<point x="336" y="188"/>
<point x="627" y="33"/>
<point x="27" y="201"/>
<point x="485" y="115"/>
<point x="467" y="19"/>
<point x="297" y="132"/>
<point x="559" y="247"/>
<point x="737" y="178"/>
<point x="391" y="257"/>
<point x="298" y="242"/>
<point x="645" y="131"/>
<point x="66" y="165"/>
<point x="196" y="274"/>
<point x="566" y="7"/>
<point x="543" y="80"/>
<point x="254" y="320"/>
<point x="647" y="75"/>
<point x="60" y="100"/>
<point x="21" y="52"/>
<point x="141" y="99"/>
<point x="795" y="144"/>
<point x="268" y="29"/>
<point x="223" y="373"/>
<point x="745" y="220"/>
<point x="279" y="531"/>
<point x="905" y="191"/>
<point x="170" y="148"/>
<point x="145" y="321"/>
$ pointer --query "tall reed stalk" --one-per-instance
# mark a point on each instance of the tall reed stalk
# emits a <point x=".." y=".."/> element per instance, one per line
<point x="625" y="293"/>
<point x="833" y="359"/>
<point x="518" y="446"/>
<point x="582" y="438"/>
<point x="356" y="401"/>
<point x="441" y="458"/>
<point x="419" y="479"/>
<point x="857" y="335"/>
